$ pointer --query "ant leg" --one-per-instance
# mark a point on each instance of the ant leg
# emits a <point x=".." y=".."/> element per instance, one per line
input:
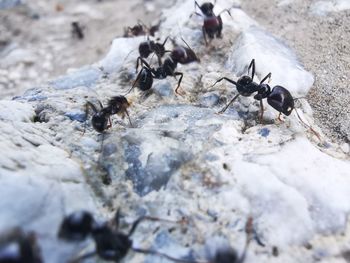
<point x="268" y="76"/>
<point x="196" y="13"/>
<point x="249" y="229"/>
<point x="103" y="138"/>
<point x="196" y="5"/>
<point x="204" y="35"/>
<point x="155" y="252"/>
<point x="279" y="117"/>
<point x="150" y="218"/>
<point x="82" y="257"/>
<point x="261" y="111"/>
<point x="109" y="123"/>
<point x="138" y="63"/>
<point x="127" y="114"/>
<point x="225" y="10"/>
<point x="225" y="108"/>
<point x="252" y="65"/>
<point x="179" y="82"/>
<point x="117" y="218"/>
<point x="88" y="105"/>
<point x="135" y="82"/>
<point x="224" y="78"/>
<point x="165" y="41"/>
<point x="310" y="128"/>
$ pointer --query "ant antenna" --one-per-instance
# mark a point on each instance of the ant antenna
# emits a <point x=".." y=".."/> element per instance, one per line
<point x="308" y="126"/>
<point x="150" y="218"/>
<point x="128" y="55"/>
<point x="127" y="114"/>
<point x="155" y="252"/>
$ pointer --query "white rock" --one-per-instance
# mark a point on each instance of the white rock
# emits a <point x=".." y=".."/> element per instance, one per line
<point x="271" y="55"/>
<point x="322" y="8"/>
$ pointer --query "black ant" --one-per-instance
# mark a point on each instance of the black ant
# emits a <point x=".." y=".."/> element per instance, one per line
<point x="101" y="118"/>
<point x="18" y="247"/>
<point x="179" y="54"/>
<point x="212" y="25"/>
<point x="111" y="244"/>
<point x="279" y="98"/>
<point x="148" y="47"/>
<point x="77" y="30"/>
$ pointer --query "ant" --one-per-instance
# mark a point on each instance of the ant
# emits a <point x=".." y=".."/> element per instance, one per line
<point x="18" y="247"/>
<point x="101" y="118"/>
<point x="278" y="97"/>
<point x="149" y="46"/>
<point x="141" y="29"/>
<point x="77" y="30"/>
<point x="179" y="54"/>
<point x="212" y="25"/>
<point x="111" y="243"/>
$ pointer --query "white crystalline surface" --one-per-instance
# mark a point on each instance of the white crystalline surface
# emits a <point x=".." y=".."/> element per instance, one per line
<point x="270" y="55"/>
<point x="180" y="158"/>
<point x="324" y="7"/>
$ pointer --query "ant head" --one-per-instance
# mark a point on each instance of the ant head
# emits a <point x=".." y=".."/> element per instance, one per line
<point x="145" y="48"/>
<point x="207" y="9"/>
<point x="100" y="120"/>
<point x="76" y="226"/>
<point x="244" y="80"/>
<point x="118" y="104"/>
<point x="110" y="245"/>
<point x="227" y="255"/>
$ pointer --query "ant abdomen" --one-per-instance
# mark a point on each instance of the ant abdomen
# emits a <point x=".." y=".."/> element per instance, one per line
<point x="281" y="100"/>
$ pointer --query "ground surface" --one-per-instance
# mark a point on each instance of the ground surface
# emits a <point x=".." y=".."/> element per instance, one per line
<point x="179" y="159"/>
<point x="36" y="42"/>
<point x="322" y="44"/>
<point x="44" y="47"/>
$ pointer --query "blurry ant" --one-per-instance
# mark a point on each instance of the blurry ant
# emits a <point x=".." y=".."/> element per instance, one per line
<point x="111" y="244"/>
<point x="101" y="118"/>
<point x="212" y="25"/>
<point x="77" y="30"/>
<point x="141" y="29"/>
<point x="179" y="54"/>
<point x="18" y="247"/>
<point x="278" y="97"/>
<point x="228" y="254"/>
<point x="148" y="47"/>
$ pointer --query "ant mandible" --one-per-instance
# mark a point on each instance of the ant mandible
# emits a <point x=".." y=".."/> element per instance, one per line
<point x="111" y="243"/>
<point x="179" y="54"/>
<point x="278" y="98"/>
<point x="18" y="247"/>
<point x="212" y="25"/>
<point x="101" y="118"/>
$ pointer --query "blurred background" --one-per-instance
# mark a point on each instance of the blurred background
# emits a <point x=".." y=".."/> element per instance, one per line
<point x="37" y="41"/>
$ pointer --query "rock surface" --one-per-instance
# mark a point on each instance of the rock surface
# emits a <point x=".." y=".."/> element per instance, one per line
<point x="180" y="158"/>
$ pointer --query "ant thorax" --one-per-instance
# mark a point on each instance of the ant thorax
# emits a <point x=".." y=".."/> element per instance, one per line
<point x="211" y="22"/>
<point x="263" y="92"/>
<point x="167" y="69"/>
